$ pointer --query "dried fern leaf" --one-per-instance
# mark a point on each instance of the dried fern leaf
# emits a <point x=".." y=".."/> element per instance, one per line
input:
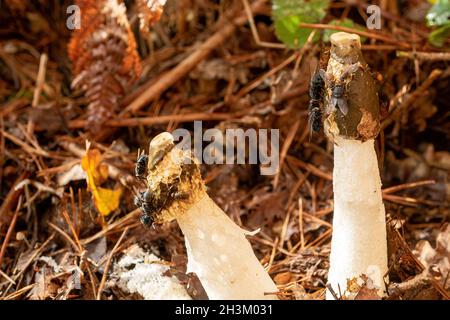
<point x="150" y="12"/>
<point x="105" y="59"/>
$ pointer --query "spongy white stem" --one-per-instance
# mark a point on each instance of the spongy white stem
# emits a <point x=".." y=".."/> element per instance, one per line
<point x="359" y="244"/>
<point x="221" y="256"/>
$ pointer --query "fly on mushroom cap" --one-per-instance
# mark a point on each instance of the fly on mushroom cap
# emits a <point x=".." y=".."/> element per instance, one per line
<point x="351" y="102"/>
<point x="173" y="178"/>
<point x="358" y="244"/>
<point x="178" y="192"/>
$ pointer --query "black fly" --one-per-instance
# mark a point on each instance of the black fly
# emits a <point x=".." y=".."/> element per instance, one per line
<point x="141" y="166"/>
<point x="338" y="89"/>
<point x="316" y="90"/>
<point x="144" y="201"/>
<point x="146" y="220"/>
<point x="149" y="204"/>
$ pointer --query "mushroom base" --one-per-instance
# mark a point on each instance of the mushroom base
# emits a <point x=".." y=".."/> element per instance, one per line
<point x="221" y="256"/>
<point x="359" y="244"/>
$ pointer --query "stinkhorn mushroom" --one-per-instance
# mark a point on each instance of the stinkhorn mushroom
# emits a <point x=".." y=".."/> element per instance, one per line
<point x="351" y="122"/>
<point x="217" y="249"/>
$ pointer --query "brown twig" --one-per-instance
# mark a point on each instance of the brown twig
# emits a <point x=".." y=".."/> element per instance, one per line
<point x="19" y="292"/>
<point x="72" y="229"/>
<point x="40" y="80"/>
<point x="407" y="186"/>
<point x="108" y="262"/>
<point x="436" y="73"/>
<point x="309" y="167"/>
<point x="64" y="235"/>
<point x="110" y="227"/>
<point x="324" y="236"/>
<point x="254" y="84"/>
<point x="150" y="121"/>
<point x="11" y="198"/>
<point x="25" y="146"/>
<point x="284" y="150"/>
<point x="300" y="223"/>
<point x="4" y="275"/>
<point x="255" y="33"/>
<point x="424" y="56"/>
<point x="371" y="35"/>
<point x="10" y="230"/>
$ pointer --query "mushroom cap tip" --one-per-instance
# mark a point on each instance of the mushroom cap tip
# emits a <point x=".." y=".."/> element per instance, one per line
<point x="340" y="38"/>
<point x="173" y="178"/>
<point x="162" y="140"/>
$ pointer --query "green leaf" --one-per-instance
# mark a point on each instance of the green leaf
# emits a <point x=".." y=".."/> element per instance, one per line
<point x="288" y="14"/>
<point x="344" y="23"/>
<point x="438" y="37"/>
<point x="439" y="13"/>
<point x="439" y="16"/>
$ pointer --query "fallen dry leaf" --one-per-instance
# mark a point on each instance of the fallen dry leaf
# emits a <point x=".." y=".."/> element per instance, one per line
<point x="437" y="259"/>
<point x="43" y="288"/>
<point x="367" y="290"/>
<point x="360" y="288"/>
<point x="91" y="163"/>
<point x="106" y="200"/>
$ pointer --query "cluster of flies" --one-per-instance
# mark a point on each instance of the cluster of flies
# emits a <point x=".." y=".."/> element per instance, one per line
<point x="146" y="200"/>
<point x="338" y="94"/>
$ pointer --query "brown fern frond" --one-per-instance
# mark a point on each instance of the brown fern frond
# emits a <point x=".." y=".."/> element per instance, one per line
<point x="105" y="58"/>
<point x="150" y="12"/>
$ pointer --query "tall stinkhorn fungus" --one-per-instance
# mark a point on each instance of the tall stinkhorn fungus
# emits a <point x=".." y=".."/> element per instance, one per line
<point x="359" y="244"/>
<point x="218" y="251"/>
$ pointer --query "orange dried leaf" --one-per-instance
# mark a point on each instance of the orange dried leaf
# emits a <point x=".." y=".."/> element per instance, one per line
<point x="91" y="163"/>
<point x="105" y="200"/>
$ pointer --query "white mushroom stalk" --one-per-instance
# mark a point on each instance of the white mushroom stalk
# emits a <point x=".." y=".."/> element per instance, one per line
<point x="359" y="228"/>
<point x="218" y="251"/>
<point x="221" y="256"/>
<point x="359" y="245"/>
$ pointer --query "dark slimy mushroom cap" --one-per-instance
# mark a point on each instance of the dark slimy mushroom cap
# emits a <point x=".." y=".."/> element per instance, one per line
<point x="173" y="179"/>
<point x="348" y="67"/>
